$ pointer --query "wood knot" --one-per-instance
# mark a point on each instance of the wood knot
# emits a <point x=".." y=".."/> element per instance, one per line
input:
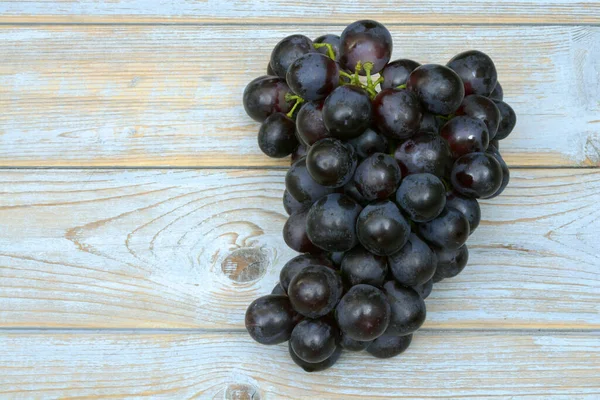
<point x="241" y="391"/>
<point x="246" y="264"/>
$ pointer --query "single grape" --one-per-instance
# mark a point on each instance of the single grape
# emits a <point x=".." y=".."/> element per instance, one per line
<point x="278" y="290"/>
<point x="414" y="264"/>
<point x="465" y="135"/>
<point x="294" y="233"/>
<point x="407" y="309"/>
<point x="277" y="136"/>
<point x="287" y="51"/>
<point x="449" y="230"/>
<point x="477" y="175"/>
<point x="431" y="122"/>
<point x="331" y="222"/>
<point x="315" y="291"/>
<point x="370" y="142"/>
<point x="468" y="206"/>
<point x="439" y="88"/>
<point x="314" y="340"/>
<point x="302" y="186"/>
<point x="333" y="40"/>
<point x="310" y="127"/>
<point x="363" y="313"/>
<point x="291" y="205"/>
<point x="265" y="96"/>
<point x="397" y="113"/>
<point x="313" y="76"/>
<point x="270" y="319"/>
<point x="505" y="174"/>
<point x="353" y="345"/>
<point x="424" y="152"/>
<point x="361" y="266"/>
<point x="425" y="289"/>
<point x="477" y="71"/>
<point x="397" y="72"/>
<point x="315" y="367"/>
<point x="377" y="177"/>
<point x="451" y="262"/>
<point x="508" y="120"/>
<point x="297" y="264"/>
<point x="347" y="112"/>
<point x="481" y="108"/>
<point x="387" y="346"/>
<point x="497" y="93"/>
<point x="299" y="153"/>
<point x="421" y="196"/>
<point x="365" y="41"/>
<point x="331" y="163"/>
<point x="351" y="190"/>
<point x="382" y="229"/>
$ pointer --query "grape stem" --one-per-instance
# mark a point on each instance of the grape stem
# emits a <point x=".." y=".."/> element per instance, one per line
<point x="298" y="100"/>
<point x="403" y="86"/>
<point x="446" y="117"/>
<point x="330" y="51"/>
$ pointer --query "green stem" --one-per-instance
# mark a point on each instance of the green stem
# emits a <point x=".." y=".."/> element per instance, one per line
<point x="346" y="75"/>
<point x="330" y="51"/>
<point x="299" y="100"/>
<point x="368" y="67"/>
<point x="378" y="81"/>
<point x="403" y="86"/>
<point x="446" y="117"/>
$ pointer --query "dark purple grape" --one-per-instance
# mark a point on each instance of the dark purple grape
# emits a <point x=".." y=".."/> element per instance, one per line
<point x="407" y="309"/>
<point x="468" y="206"/>
<point x="336" y="258"/>
<point x="363" y="313"/>
<point x="277" y="136"/>
<point x="449" y="230"/>
<point x="310" y="127"/>
<point x="297" y="264"/>
<point x="302" y="186"/>
<point x="365" y="41"/>
<point x="425" y="289"/>
<point x="291" y="205"/>
<point x="361" y="266"/>
<point x="439" y="88"/>
<point x="477" y="175"/>
<point x="353" y="345"/>
<point x="270" y="319"/>
<point x="299" y="153"/>
<point x="370" y="142"/>
<point x="382" y="229"/>
<point x="424" y="152"/>
<point x="377" y="177"/>
<point x="421" y="196"/>
<point x="331" y="222"/>
<point x="313" y="76"/>
<point x="431" y="123"/>
<point x="347" y="112"/>
<point x="414" y="264"/>
<point x="294" y="233"/>
<point x="287" y="51"/>
<point x="397" y="113"/>
<point x="387" y="346"/>
<point x="265" y="96"/>
<point x="451" y="262"/>
<point x="505" y="174"/>
<point x="278" y="290"/>
<point x="397" y="72"/>
<point x="508" y="120"/>
<point x="331" y="163"/>
<point x="482" y="108"/>
<point x="497" y="93"/>
<point x="465" y="135"/>
<point x="315" y="367"/>
<point x="477" y="71"/>
<point x="314" y="340"/>
<point x="333" y="40"/>
<point x="315" y="291"/>
<point x="351" y="190"/>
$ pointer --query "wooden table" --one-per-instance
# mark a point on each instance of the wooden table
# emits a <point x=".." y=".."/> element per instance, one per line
<point x="139" y="218"/>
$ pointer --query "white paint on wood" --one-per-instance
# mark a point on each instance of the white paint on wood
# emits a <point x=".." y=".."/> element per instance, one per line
<point x="171" y="95"/>
<point x="191" y="249"/>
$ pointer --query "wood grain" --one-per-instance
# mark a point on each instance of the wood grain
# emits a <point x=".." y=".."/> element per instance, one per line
<point x="171" y="95"/>
<point x="231" y="366"/>
<point x="301" y="11"/>
<point x="191" y="249"/>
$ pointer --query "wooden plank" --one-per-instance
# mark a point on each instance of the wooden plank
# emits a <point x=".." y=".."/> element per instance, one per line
<point x="276" y="12"/>
<point x="231" y="366"/>
<point x="191" y="249"/>
<point x="171" y="95"/>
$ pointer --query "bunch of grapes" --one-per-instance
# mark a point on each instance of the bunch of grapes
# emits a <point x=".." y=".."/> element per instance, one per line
<point x="383" y="187"/>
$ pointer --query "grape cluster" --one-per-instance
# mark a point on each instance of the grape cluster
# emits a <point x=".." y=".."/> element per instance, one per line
<point x="383" y="187"/>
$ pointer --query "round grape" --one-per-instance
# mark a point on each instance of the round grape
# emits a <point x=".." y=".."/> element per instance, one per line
<point x="387" y="346"/>
<point x="414" y="264"/>
<point x="365" y="41"/>
<point x="287" y="51"/>
<point x="369" y="143"/>
<point x="508" y="120"/>
<point x="451" y="262"/>
<point x="333" y="40"/>
<point x="270" y="319"/>
<point x="363" y="313"/>
<point x="315" y="291"/>
<point x="302" y="186"/>
<point x="315" y="367"/>
<point x="265" y="96"/>
<point x="465" y="135"/>
<point x="277" y="136"/>
<point x="505" y="174"/>
<point x="294" y="233"/>
<point x="377" y="177"/>
<point x="407" y="309"/>
<point x="424" y="152"/>
<point x="421" y="196"/>
<point x="361" y="266"/>
<point x="397" y="113"/>
<point x="449" y="230"/>
<point x="331" y="163"/>
<point x="347" y="112"/>
<point x="397" y="72"/>
<point x="481" y="108"/>
<point x="297" y="264"/>
<point x="439" y="88"/>
<point x="382" y="229"/>
<point x="310" y="127"/>
<point x="314" y="340"/>
<point x="468" y="206"/>
<point x="313" y="76"/>
<point x="477" y="71"/>
<point x="477" y="175"/>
